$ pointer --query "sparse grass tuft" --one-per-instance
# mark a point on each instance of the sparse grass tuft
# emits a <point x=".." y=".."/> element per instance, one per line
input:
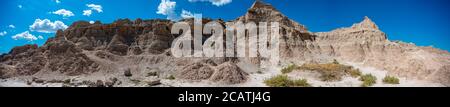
<point x="332" y="71"/>
<point x="355" y="73"/>
<point x="278" y="81"/>
<point x="391" y="80"/>
<point x="284" y="81"/>
<point x="335" y="61"/>
<point x="301" y="83"/>
<point x="171" y="77"/>
<point x="368" y="80"/>
<point x="288" y="69"/>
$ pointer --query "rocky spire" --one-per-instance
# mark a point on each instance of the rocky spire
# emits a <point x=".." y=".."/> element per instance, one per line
<point x="264" y="12"/>
<point x="367" y="23"/>
<point x="258" y="4"/>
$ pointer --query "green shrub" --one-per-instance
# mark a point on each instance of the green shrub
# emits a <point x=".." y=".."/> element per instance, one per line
<point x="368" y="80"/>
<point x="278" y="81"/>
<point x="391" y="80"/>
<point x="331" y="71"/>
<point x="284" y="81"/>
<point x="288" y="69"/>
<point x="301" y="83"/>
<point x="355" y="73"/>
<point x="335" y="61"/>
<point x="171" y="77"/>
<point x="50" y="44"/>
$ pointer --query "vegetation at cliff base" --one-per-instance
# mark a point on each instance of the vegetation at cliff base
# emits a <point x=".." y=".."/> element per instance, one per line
<point x="332" y="71"/>
<point x="288" y="69"/>
<point x="391" y="80"/>
<point x="285" y="81"/>
<point x="368" y="80"/>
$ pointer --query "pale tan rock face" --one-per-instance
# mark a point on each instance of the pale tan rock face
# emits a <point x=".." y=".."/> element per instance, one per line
<point x="365" y="43"/>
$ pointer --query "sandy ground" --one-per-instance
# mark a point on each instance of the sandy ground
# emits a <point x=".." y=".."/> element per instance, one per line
<point x="256" y="79"/>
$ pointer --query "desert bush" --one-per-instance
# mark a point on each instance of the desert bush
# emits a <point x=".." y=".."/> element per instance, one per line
<point x="331" y="71"/>
<point x="278" y="81"/>
<point x="171" y="77"/>
<point x="355" y="73"/>
<point x="368" y="80"/>
<point x="50" y="44"/>
<point x="335" y="61"/>
<point x="288" y="69"/>
<point x="301" y="83"/>
<point x="284" y="81"/>
<point x="391" y="80"/>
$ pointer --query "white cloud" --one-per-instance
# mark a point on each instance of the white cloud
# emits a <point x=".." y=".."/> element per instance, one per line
<point x="95" y="7"/>
<point x="57" y="1"/>
<point x="12" y="26"/>
<point x="64" y="13"/>
<point x="40" y="37"/>
<point x="46" y="26"/>
<point x="214" y="2"/>
<point x="187" y="14"/>
<point x="87" y="12"/>
<point x="3" y="33"/>
<point x="25" y="35"/>
<point x="91" y="22"/>
<point x="19" y="6"/>
<point x="167" y="7"/>
<point x="92" y="7"/>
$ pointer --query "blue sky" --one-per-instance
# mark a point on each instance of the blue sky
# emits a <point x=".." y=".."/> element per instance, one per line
<point x="423" y="22"/>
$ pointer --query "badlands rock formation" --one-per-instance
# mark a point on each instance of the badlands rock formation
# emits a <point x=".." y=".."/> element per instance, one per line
<point x="98" y="54"/>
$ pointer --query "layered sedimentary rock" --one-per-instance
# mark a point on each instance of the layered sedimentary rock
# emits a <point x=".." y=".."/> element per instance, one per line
<point x="142" y="47"/>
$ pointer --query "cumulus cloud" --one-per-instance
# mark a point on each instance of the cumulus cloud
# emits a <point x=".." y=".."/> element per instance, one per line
<point x="214" y="2"/>
<point x="167" y="7"/>
<point x="87" y="12"/>
<point x="92" y="7"/>
<point x="47" y="26"/>
<point x="3" y="33"/>
<point x="24" y="35"/>
<point x="91" y="22"/>
<point x="57" y="1"/>
<point x="187" y="14"/>
<point x="12" y="26"/>
<point x="64" y="13"/>
<point x="40" y="37"/>
<point x="95" y="7"/>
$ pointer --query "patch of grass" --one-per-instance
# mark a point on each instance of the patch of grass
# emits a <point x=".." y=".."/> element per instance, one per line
<point x="278" y="81"/>
<point x="288" y="69"/>
<point x="171" y="77"/>
<point x="50" y="44"/>
<point x="335" y="61"/>
<point x="301" y="83"/>
<point x="391" y="80"/>
<point x="368" y="80"/>
<point x="355" y="73"/>
<point x="332" y="71"/>
<point x="284" y="81"/>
